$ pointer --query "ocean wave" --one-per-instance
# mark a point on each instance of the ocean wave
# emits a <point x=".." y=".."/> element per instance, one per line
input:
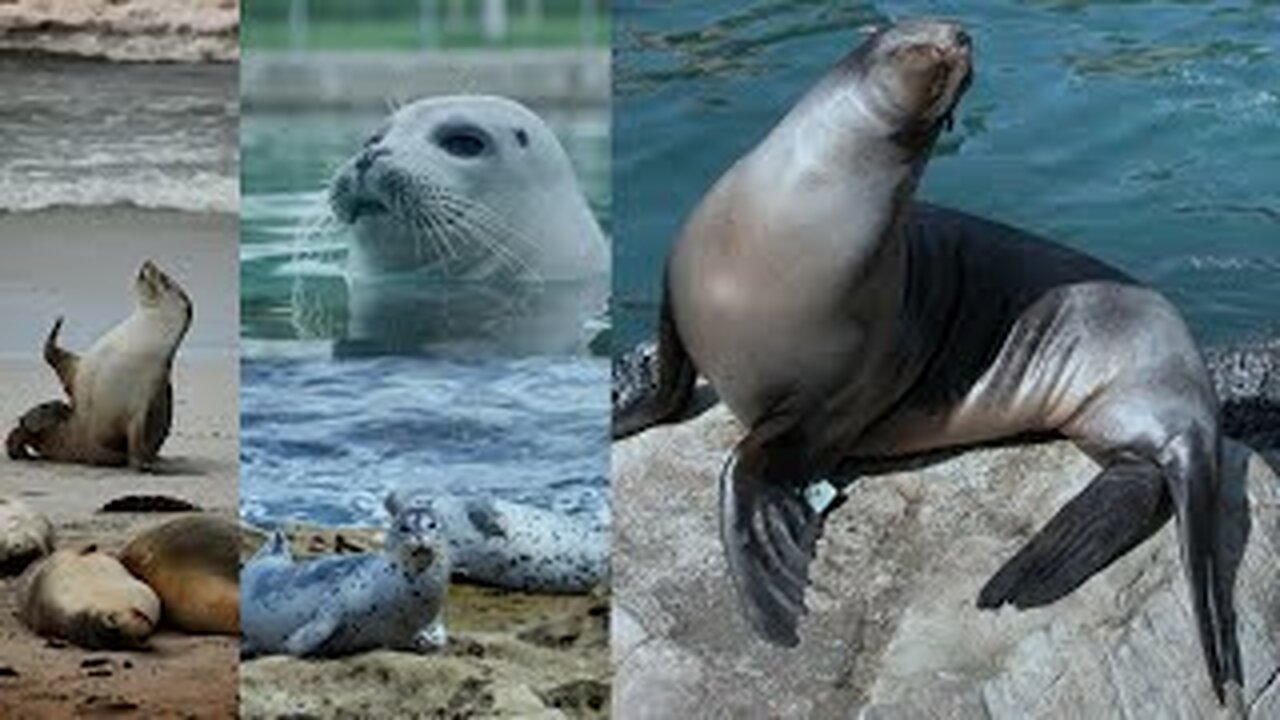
<point x="202" y="192"/>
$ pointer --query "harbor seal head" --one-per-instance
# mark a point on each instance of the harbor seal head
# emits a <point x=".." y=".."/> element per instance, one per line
<point x="466" y="188"/>
<point x="842" y="322"/>
<point x="120" y="398"/>
<point x="87" y="597"/>
<point x="346" y="604"/>
<point x="25" y="536"/>
<point x="193" y="565"/>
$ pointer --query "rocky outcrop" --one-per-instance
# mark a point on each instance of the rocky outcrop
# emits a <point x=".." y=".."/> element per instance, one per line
<point x="130" y="30"/>
<point x="893" y="629"/>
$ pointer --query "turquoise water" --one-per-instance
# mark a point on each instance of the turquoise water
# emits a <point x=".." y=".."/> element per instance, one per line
<point x="1145" y="133"/>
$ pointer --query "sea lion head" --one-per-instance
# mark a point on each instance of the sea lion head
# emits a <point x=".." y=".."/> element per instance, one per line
<point x="154" y="290"/>
<point x="911" y="75"/>
<point x="39" y="432"/>
<point x="416" y="534"/>
<point x="470" y="186"/>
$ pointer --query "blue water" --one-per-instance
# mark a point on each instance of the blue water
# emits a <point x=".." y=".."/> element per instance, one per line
<point x="1145" y="133"/>
<point x="324" y="441"/>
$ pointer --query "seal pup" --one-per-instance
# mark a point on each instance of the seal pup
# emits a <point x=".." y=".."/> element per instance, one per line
<point x="25" y="536"/>
<point x="121" y="399"/>
<point x="193" y="565"/>
<point x="840" y="322"/>
<point x="522" y="547"/>
<point x="87" y="597"/>
<point x="350" y="603"/>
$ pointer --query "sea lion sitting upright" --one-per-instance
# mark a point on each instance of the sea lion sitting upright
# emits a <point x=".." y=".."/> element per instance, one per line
<point x="121" y="400"/>
<point x="840" y="322"/>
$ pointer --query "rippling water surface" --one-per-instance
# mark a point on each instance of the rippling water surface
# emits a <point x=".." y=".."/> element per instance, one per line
<point x="1146" y="133"/>
<point x="83" y="133"/>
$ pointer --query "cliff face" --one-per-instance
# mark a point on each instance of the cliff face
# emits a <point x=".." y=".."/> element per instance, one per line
<point x="893" y="629"/>
<point x="124" y="30"/>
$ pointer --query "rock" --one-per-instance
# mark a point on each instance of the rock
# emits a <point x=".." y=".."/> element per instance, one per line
<point x="25" y="536"/>
<point x="893" y="629"/>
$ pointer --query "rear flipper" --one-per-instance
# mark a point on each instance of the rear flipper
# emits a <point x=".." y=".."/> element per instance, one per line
<point x="661" y="400"/>
<point x="769" y="531"/>
<point x="1124" y="504"/>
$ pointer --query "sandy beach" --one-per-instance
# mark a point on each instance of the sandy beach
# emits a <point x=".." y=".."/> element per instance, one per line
<point x="79" y="264"/>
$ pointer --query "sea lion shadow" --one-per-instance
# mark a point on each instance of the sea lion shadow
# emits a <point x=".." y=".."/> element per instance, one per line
<point x="179" y="466"/>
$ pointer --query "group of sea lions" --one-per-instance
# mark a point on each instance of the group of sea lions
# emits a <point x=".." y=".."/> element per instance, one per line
<point x="118" y="411"/>
<point x="842" y="321"/>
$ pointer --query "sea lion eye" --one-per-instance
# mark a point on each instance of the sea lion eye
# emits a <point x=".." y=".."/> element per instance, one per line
<point x="462" y="142"/>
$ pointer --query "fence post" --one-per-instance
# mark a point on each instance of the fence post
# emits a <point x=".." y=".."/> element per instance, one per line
<point x="495" y="20"/>
<point x="297" y="24"/>
<point x="428" y="16"/>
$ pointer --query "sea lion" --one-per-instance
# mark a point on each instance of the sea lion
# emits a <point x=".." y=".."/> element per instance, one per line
<point x="193" y="565"/>
<point x="840" y="322"/>
<point x="121" y="399"/>
<point x="87" y="597"/>
<point x="522" y="547"/>
<point x="470" y="187"/>
<point x="25" y="536"/>
<point x="349" y="603"/>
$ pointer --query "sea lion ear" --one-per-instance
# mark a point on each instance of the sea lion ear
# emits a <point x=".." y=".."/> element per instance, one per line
<point x="393" y="504"/>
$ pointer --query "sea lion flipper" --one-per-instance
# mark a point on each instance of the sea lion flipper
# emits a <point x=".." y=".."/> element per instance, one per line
<point x="1125" y="504"/>
<point x="148" y="432"/>
<point x="1192" y="463"/>
<point x="64" y="362"/>
<point x="674" y="385"/>
<point x="769" y="532"/>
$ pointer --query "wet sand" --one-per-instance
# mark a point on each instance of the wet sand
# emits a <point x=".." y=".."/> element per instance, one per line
<point x="79" y="263"/>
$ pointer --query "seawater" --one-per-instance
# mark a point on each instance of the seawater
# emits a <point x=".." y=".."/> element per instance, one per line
<point x="87" y="133"/>
<point x="1145" y="133"/>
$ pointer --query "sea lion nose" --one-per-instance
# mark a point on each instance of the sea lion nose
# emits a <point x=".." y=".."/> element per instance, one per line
<point x="368" y="156"/>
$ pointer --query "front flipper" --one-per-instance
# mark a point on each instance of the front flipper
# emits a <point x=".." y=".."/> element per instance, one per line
<point x="1124" y="504"/>
<point x="316" y="636"/>
<point x="671" y="392"/>
<point x="769" y="531"/>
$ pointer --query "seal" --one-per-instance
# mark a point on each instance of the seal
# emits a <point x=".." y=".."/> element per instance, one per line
<point x="841" y="322"/>
<point x="193" y="565"/>
<point x="87" y="597"/>
<point x="466" y="187"/>
<point x="351" y="603"/>
<point x="25" y="536"/>
<point x="121" y="399"/>
<point x="522" y="547"/>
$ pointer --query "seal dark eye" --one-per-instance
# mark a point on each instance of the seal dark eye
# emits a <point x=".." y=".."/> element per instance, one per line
<point x="375" y="138"/>
<point x="462" y="142"/>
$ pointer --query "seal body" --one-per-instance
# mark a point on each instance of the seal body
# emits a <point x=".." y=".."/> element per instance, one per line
<point x="841" y="322"/>
<point x="352" y="603"/>
<point x="193" y="565"/>
<point x="87" y="597"/>
<point x="521" y="547"/>
<point x="467" y="187"/>
<point x="120" y="398"/>
<point x="25" y="536"/>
